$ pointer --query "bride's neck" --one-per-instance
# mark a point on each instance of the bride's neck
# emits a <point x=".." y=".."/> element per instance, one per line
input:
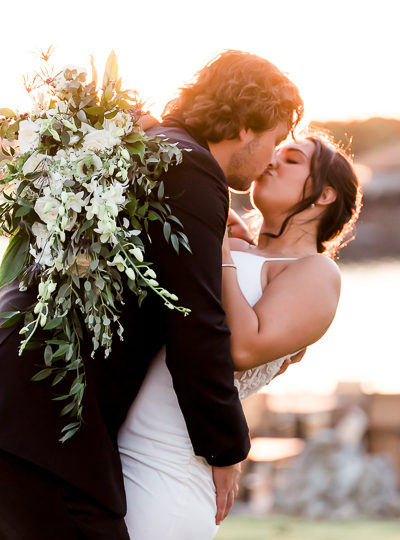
<point x="295" y="241"/>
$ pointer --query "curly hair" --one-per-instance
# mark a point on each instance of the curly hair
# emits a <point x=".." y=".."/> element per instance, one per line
<point x="329" y="166"/>
<point x="237" y="90"/>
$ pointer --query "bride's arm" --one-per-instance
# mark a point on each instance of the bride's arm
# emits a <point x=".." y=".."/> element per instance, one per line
<point x="296" y="309"/>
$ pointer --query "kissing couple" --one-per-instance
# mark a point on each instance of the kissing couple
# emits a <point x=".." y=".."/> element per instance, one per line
<point x="158" y="455"/>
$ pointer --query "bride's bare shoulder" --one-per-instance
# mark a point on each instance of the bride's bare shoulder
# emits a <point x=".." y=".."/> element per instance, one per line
<point x="320" y="265"/>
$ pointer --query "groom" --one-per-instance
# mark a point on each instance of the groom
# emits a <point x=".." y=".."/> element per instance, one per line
<point x="238" y="109"/>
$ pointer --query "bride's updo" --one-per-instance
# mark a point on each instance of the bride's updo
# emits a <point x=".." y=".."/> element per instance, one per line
<point x="329" y="166"/>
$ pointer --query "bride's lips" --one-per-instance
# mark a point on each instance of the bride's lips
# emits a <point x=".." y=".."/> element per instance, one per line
<point x="263" y="175"/>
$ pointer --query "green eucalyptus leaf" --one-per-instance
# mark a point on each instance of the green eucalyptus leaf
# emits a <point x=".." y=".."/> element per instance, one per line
<point x="15" y="257"/>
<point x="48" y="355"/>
<point x="8" y="314"/>
<point x="136" y="149"/>
<point x="70" y="426"/>
<point x="75" y="279"/>
<point x="59" y="377"/>
<point x="23" y="211"/>
<point x="133" y="137"/>
<point x="65" y="396"/>
<point x="69" y="434"/>
<point x="11" y="320"/>
<point x="62" y="349"/>
<point x="43" y="374"/>
<point x="95" y="111"/>
<point x="67" y="409"/>
<point x="65" y="138"/>
<point x="167" y="230"/>
<point x="175" y="242"/>
<point x="53" y="323"/>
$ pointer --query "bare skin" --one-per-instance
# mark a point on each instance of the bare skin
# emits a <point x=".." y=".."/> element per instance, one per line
<point x="299" y="297"/>
<point x="246" y="157"/>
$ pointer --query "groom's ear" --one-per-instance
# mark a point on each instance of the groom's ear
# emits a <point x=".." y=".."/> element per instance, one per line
<point x="246" y="135"/>
<point x="327" y="197"/>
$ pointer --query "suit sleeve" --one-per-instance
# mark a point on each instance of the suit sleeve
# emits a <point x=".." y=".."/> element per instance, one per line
<point x="198" y="345"/>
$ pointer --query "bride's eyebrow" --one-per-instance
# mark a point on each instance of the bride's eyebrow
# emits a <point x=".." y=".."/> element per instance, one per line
<point x="293" y="149"/>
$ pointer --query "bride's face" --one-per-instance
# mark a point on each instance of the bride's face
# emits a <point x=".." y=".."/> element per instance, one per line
<point x="281" y="186"/>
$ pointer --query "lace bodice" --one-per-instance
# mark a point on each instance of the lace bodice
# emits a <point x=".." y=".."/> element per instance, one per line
<point x="249" y="268"/>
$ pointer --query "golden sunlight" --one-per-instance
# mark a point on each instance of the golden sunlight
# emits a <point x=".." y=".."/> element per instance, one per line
<point x="344" y="64"/>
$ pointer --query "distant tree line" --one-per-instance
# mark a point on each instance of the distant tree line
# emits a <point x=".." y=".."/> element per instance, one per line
<point x="366" y="135"/>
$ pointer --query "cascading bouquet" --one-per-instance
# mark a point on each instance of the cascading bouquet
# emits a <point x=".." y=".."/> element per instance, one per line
<point x="78" y="187"/>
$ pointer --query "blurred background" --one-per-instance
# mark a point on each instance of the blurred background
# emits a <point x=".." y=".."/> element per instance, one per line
<point x="326" y="435"/>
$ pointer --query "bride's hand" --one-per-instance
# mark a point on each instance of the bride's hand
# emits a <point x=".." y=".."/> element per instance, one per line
<point x="237" y="227"/>
<point x="289" y="361"/>
<point x="226" y="249"/>
<point x="147" y="121"/>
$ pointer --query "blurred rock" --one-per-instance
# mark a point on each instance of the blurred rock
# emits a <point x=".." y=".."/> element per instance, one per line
<point x="335" y="478"/>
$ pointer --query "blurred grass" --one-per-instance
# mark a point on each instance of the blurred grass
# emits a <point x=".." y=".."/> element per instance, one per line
<point x="285" y="528"/>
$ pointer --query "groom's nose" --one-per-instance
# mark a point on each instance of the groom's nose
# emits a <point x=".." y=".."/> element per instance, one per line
<point x="272" y="164"/>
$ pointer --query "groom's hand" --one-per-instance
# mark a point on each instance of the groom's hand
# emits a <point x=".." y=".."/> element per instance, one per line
<point x="226" y="481"/>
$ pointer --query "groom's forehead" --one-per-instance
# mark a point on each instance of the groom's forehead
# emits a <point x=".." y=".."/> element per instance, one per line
<point x="282" y="133"/>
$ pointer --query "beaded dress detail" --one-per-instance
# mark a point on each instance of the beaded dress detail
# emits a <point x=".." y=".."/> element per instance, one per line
<point x="249" y="269"/>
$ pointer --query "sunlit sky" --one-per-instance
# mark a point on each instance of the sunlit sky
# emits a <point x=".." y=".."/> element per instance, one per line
<point x="342" y="54"/>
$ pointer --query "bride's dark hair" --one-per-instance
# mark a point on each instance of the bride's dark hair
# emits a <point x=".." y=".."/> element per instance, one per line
<point x="330" y="166"/>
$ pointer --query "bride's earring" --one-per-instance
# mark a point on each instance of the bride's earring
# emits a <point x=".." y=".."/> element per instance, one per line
<point x="312" y="205"/>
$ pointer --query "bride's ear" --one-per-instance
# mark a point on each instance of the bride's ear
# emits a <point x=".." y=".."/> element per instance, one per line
<point x="327" y="197"/>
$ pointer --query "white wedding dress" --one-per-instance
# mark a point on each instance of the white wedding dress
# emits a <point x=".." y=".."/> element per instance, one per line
<point x="170" y="492"/>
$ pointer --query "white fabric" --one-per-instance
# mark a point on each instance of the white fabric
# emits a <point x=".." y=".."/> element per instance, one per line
<point x="170" y="491"/>
<point x="249" y="268"/>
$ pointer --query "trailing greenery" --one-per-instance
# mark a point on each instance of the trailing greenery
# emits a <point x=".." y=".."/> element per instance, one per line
<point x="79" y="184"/>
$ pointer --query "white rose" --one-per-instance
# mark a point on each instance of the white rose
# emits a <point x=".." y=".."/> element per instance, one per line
<point x="88" y="161"/>
<point x="119" y="125"/>
<point x="47" y="209"/>
<point x="33" y="163"/>
<point x="99" y="140"/>
<point x="28" y="135"/>
<point x="121" y="120"/>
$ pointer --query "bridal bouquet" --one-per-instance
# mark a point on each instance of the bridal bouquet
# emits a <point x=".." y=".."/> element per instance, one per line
<point x="78" y="187"/>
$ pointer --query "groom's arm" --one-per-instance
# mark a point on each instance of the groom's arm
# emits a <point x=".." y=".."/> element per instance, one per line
<point x="198" y="346"/>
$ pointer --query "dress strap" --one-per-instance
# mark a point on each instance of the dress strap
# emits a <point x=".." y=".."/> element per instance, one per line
<point x="280" y="258"/>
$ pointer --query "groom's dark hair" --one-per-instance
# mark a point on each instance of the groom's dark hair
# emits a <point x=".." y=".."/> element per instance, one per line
<point x="237" y="90"/>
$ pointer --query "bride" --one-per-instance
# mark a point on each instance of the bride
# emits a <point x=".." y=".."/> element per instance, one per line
<point x="279" y="296"/>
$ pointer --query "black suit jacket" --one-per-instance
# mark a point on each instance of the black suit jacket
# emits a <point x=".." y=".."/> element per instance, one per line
<point x="198" y="350"/>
